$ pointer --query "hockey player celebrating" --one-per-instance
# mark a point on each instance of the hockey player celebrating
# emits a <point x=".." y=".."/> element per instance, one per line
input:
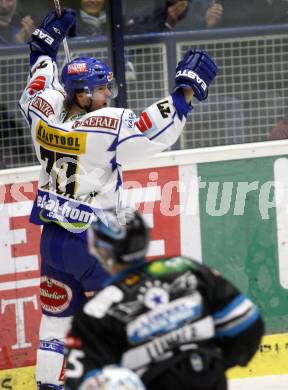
<point x="81" y="144"/>
<point x="175" y="322"/>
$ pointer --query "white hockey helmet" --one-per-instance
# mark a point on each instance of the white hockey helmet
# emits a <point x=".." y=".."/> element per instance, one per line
<point x="112" y="378"/>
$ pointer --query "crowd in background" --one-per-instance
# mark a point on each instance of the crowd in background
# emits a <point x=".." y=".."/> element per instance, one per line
<point x="18" y="18"/>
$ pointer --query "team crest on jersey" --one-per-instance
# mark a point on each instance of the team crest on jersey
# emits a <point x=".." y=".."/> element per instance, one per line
<point x="153" y="294"/>
<point x="76" y="68"/>
<point x="55" y="296"/>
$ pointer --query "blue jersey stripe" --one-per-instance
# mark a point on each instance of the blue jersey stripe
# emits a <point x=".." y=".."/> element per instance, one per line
<point x="227" y="309"/>
<point x="233" y="331"/>
<point x="162" y="131"/>
<point x="130" y="136"/>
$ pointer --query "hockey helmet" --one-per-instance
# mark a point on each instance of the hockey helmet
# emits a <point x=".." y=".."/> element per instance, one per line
<point x="123" y="233"/>
<point x="86" y="73"/>
<point x="112" y="378"/>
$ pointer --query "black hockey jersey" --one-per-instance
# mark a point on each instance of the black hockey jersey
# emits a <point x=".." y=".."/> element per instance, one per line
<point x="173" y="321"/>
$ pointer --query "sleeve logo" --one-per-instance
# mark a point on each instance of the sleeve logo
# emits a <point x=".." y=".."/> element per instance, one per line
<point x="164" y="108"/>
<point x="36" y="85"/>
<point x="144" y="122"/>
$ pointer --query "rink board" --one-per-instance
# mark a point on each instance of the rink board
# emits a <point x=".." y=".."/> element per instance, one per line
<point x="219" y="206"/>
<point x="271" y="359"/>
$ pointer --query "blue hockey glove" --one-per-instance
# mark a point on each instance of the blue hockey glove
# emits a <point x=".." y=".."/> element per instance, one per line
<point x="47" y="38"/>
<point x="180" y="104"/>
<point x="197" y="71"/>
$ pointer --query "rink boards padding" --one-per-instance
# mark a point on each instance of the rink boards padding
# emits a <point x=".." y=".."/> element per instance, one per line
<point x="271" y="359"/>
<point x="223" y="211"/>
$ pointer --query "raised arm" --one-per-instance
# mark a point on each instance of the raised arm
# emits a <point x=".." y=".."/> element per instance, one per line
<point x="160" y="125"/>
<point x="44" y="45"/>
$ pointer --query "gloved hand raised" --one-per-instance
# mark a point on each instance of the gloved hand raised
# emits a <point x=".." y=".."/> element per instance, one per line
<point x="47" y="38"/>
<point x="197" y="70"/>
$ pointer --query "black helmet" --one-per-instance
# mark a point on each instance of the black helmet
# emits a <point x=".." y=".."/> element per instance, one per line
<point x="123" y="233"/>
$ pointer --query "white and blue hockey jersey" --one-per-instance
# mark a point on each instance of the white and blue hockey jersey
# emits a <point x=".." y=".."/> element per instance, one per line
<point x="81" y="158"/>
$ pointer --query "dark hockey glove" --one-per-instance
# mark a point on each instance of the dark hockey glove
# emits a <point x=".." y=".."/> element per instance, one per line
<point x="180" y="104"/>
<point x="47" y="38"/>
<point x="197" y="71"/>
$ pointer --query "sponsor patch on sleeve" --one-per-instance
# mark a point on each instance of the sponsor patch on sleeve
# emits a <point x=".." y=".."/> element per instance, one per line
<point x="144" y="122"/>
<point x="38" y="84"/>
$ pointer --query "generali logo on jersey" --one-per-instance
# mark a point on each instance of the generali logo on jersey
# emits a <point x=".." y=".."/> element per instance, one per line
<point x="104" y="122"/>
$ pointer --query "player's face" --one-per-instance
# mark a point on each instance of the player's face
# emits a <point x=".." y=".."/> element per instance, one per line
<point x="101" y="97"/>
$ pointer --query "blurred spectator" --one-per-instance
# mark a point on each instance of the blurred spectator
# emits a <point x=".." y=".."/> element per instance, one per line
<point x="166" y="15"/>
<point x="213" y="14"/>
<point x="38" y="10"/>
<point x="174" y="12"/>
<point x="92" y="22"/>
<point x="280" y="130"/>
<point x="91" y="17"/>
<point x="237" y="13"/>
<point x="172" y="15"/>
<point x="200" y="14"/>
<point x="14" y="27"/>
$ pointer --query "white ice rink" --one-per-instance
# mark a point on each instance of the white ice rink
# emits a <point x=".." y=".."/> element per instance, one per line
<point x="273" y="382"/>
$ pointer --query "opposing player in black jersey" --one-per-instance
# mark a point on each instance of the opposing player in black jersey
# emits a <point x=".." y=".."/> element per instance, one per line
<point x="175" y="322"/>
